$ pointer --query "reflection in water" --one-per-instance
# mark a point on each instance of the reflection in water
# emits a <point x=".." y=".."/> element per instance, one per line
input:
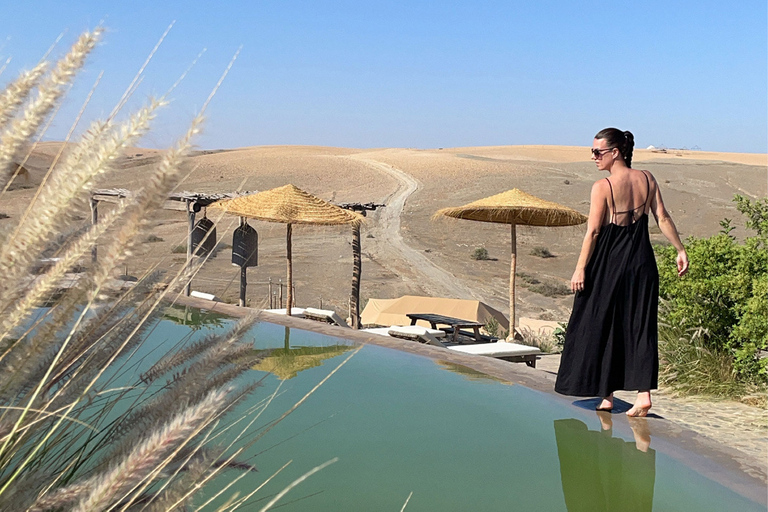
<point x="467" y="372"/>
<point x="193" y="317"/>
<point x="603" y="473"/>
<point x="285" y="363"/>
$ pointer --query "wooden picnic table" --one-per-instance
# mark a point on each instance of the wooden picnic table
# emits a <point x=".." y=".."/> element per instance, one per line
<point x="455" y="325"/>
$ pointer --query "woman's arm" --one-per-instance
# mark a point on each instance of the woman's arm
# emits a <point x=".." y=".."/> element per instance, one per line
<point x="667" y="227"/>
<point x="598" y="207"/>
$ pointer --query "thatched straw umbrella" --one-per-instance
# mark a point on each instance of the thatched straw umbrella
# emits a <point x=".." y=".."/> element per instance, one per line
<point x="290" y="205"/>
<point x="515" y="207"/>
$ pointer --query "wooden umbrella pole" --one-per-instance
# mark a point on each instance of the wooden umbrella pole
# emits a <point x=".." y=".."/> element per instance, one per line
<point x="288" y="304"/>
<point x="513" y="265"/>
<point x="243" y="275"/>
<point x="191" y="227"/>
<point x="94" y="221"/>
<point x="354" y="307"/>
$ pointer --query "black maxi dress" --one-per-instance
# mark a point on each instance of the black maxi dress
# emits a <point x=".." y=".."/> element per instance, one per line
<point x="611" y="341"/>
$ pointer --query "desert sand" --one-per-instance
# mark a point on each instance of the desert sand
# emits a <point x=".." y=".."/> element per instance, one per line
<point x="404" y="250"/>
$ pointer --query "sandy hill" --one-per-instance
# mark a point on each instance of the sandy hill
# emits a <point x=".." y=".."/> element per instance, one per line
<point x="405" y="252"/>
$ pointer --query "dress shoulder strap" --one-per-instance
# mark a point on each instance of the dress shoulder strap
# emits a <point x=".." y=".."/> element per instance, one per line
<point x="613" y="202"/>
<point x="648" y="191"/>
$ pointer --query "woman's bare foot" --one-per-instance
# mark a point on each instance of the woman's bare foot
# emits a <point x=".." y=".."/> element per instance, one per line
<point x="642" y="405"/>
<point x="606" y="404"/>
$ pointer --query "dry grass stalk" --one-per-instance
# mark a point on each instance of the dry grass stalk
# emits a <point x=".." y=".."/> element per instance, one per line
<point x="47" y="282"/>
<point x="65" y="193"/>
<point x="18" y="91"/>
<point x="544" y="341"/>
<point x="50" y="91"/>
<point x="60" y="444"/>
<point x="143" y="460"/>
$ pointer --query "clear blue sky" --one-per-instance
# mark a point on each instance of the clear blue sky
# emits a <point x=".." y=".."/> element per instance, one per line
<point x="423" y="74"/>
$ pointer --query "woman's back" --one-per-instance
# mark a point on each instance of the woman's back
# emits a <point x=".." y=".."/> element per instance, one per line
<point x="630" y="196"/>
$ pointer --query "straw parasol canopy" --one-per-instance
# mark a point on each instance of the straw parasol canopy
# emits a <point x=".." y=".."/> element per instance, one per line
<point x="515" y="207"/>
<point x="290" y="205"/>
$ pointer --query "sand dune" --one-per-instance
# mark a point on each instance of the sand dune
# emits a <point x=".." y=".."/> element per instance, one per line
<point x="422" y="256"/>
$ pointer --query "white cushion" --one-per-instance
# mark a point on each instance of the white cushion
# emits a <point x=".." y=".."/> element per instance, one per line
<point x="297" y="312"/>
<point x="325" y="314"/>
<point x="417" y="330"/>
<point x="498" y="349"/>
<point x="203" y="295"/>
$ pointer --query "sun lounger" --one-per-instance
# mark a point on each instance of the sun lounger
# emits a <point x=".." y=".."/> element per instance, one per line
<point x="384" y="331"/>
<point x="512" y="352"/>
<point x="325" y="315"/>
<point x="203" y="295"/>
<point x="297" y="312"/>
<point x="502" y="350"/>
<point x="416" y="333"/>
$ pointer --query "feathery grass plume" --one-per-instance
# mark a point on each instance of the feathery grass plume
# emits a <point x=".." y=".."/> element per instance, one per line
<point x="116" y="484"/>
<point x="22" y="365"/>
<point x="80" y="427"/>
<point x="19" y="310"/>
<point x="147" y="199"/>
<point x="50" y="91"/>
<point x="172" y="360"/>
<point x="225" y="360"/>
<point x="66" y="191"/>
<point x="178" y="494"/>
<point x="17" y="92"/>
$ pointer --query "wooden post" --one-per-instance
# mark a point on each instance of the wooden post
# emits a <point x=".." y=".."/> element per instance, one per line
<point x="354" y="299"/>
<point x="191" y="223"/>
<point x="243" y="276"/>
<point x="289" y="302"/>
<point x="94" y="221"/>
<point x="243" y="285"/>
<point x="280" y="292"/>
<point x="270" y="294"/>
<point x="513" y="265"/>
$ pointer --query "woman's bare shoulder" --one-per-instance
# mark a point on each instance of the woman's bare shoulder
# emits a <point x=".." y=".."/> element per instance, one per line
<point x="647" y="173"/>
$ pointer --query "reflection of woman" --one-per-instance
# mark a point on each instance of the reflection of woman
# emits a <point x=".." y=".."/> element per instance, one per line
<point x="612" y="340"/>
<point x="603" y="473"/>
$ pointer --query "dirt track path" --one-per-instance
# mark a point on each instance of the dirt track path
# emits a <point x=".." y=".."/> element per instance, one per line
<point x="389" y="249"/>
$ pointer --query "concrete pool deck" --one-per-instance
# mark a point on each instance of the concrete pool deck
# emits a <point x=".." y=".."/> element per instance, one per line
<point x="724" y="440"/>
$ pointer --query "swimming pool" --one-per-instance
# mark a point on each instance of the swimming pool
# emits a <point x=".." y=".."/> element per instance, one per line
<point x="405" y="427"/>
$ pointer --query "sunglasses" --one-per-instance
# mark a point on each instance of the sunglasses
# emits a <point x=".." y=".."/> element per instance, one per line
<point x="597" y="153"/>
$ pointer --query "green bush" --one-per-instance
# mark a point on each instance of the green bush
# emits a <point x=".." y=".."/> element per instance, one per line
<point x="480" y="253"/>
<point x="493" y="328"/>
<point x="542" y="252"/>
<point x="725" y="292"/>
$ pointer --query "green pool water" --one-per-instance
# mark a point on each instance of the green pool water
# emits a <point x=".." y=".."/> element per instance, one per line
<point x="404" y="425"/>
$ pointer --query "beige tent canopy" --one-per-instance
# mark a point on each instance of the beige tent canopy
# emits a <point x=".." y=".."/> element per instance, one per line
<point x="388" y="312"/>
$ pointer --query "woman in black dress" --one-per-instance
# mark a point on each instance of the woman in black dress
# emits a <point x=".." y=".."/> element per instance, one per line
<point x="612" y="338"/>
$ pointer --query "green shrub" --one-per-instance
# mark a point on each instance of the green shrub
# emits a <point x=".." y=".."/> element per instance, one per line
<point x="725" y="292"/>
<point x="559" y="335"/>
<point x="179" y="249"/>
<point x="480" y="253"/>
<point x="493" y="328"/>
<point x="542" y="252"/>
<point x="550" y="289"/>
<point x="545" y="342"/>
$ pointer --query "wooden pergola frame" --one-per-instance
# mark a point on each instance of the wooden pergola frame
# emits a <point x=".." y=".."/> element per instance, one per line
<point x="190" y="202"/>
<point x="193" y="202"/>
